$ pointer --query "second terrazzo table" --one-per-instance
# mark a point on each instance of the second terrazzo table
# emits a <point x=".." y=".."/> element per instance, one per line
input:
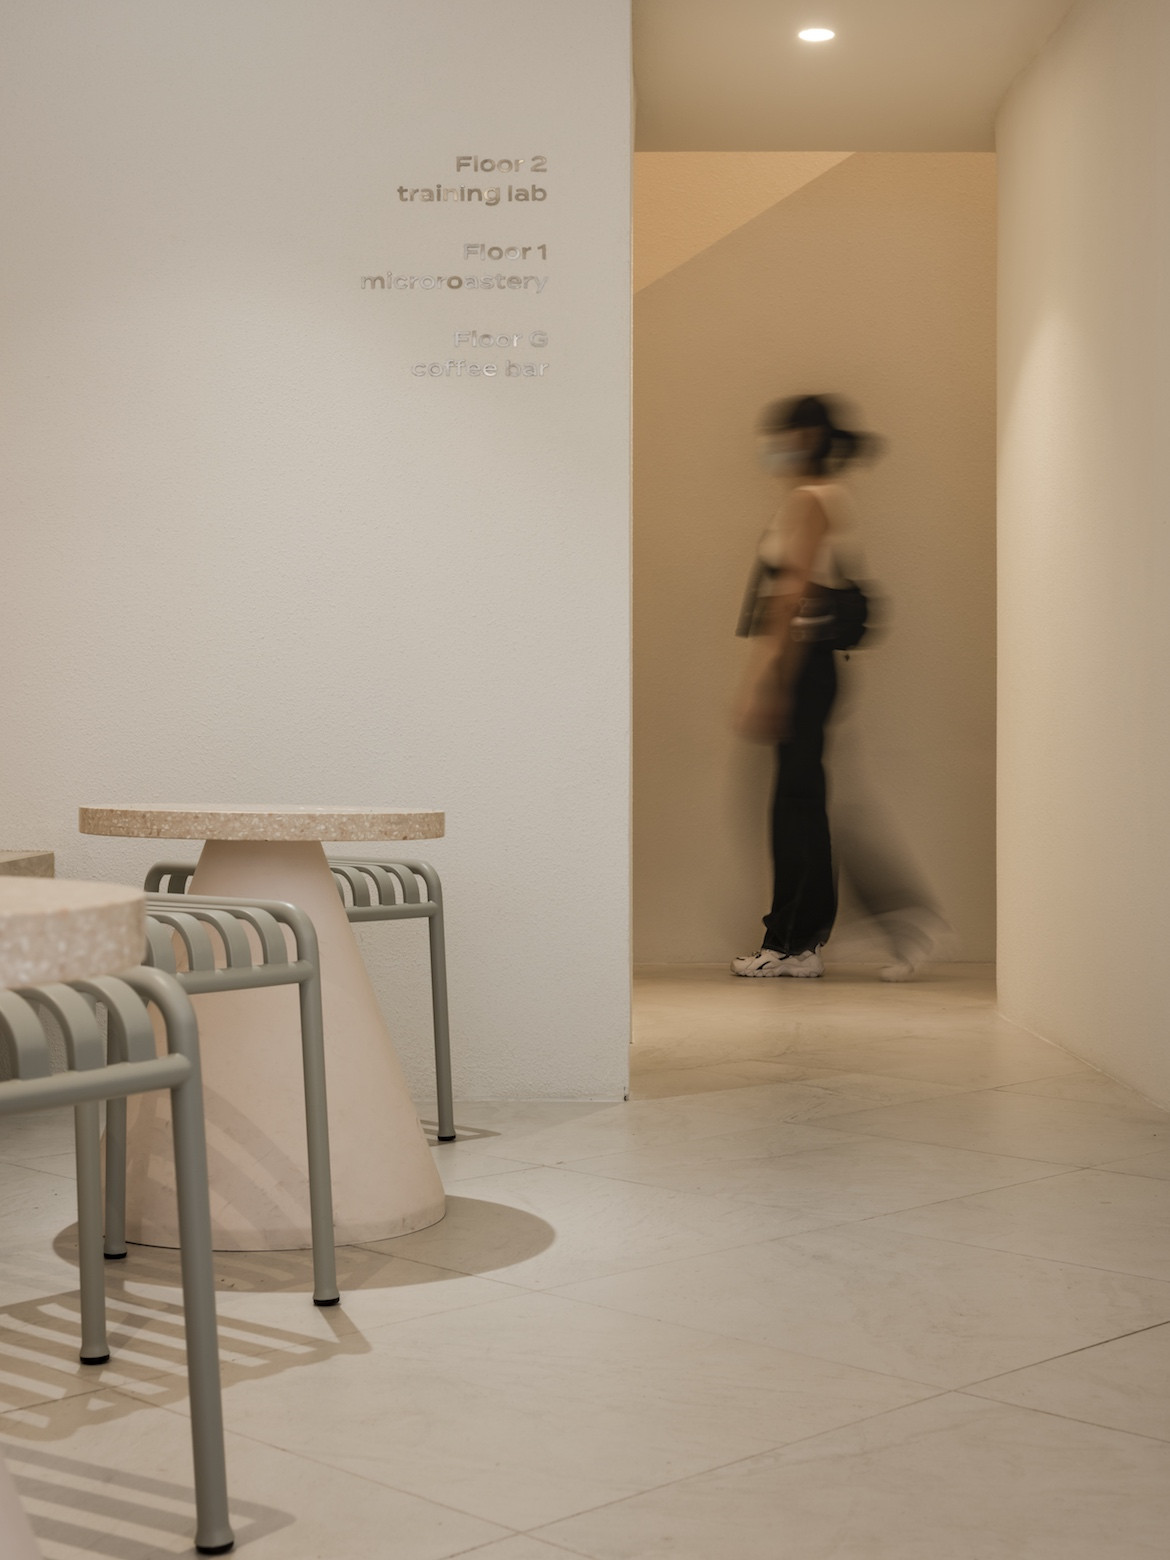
<point x="384" y="1179"/>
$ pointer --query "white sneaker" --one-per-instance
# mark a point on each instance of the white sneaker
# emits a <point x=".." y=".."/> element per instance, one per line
<point x="768" y="963"/>
<point x="917" y="937"/>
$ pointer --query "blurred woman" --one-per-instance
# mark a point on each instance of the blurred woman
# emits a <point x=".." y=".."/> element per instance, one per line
<point x="800" y="610"/>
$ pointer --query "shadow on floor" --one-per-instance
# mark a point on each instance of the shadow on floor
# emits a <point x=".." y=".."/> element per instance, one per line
<point x="71" y="1501"/>
<point x="39" y="1368"/>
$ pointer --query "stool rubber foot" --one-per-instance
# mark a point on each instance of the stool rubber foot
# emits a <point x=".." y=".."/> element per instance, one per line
<point x="450" y="1139"/>
<point x="96" y="1359"/>
<point x="335" y="1301"/>
<point x="215" y="1549"/>
<point x="115" y="1256"/>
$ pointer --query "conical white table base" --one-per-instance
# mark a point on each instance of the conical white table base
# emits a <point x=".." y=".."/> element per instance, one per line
<point x="384" y="1179"/>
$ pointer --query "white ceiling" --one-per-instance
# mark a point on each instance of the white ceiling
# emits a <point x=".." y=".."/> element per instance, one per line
<point x="901" y="75"/>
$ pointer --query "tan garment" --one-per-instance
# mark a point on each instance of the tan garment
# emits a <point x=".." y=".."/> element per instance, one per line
<point x="837" y="505"/>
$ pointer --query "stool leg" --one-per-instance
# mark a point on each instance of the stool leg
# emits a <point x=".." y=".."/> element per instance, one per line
<point x="115" y="1180"/>
<point x="325" y="1290"/>
<point x="95" y="1349"/>
<point x="443" y="1093"/>
<point x="213" y="1533"/>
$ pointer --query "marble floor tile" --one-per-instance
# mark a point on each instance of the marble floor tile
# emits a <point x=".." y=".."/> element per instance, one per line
<point x="36" y="1204"/>
<point x="835" y="1093"/>
<point x="724" y="1320"/>
<point x="669" y="1082"/>
<point x="952" y="1479"/>
<point x="925" y="1310"/>
<point x="32" y="1269"/>
<point x="664" y="1122"/>
<point x="39" y="1342"/>
<point x="522" y="1547"/>
<point x="1027" y="1126"/>
<point x="64" y="1164"/>
<point x="855" y="1178"/>
<point x="274" y="1288"/>
<point x="1092" y="1217"/>
<point x="1124" y="1385"/>
<point x="1094" y="1088"/>
<point x="579" y="1405"/>
<point x="975" y="1062"/>
<point x="1156" y="1164"/>
<point x="519" y="1117"/>
<point x="116" y="1481"/>
<point x="456" y="1168"/>
<point x="546" y="1226"/>
<point x="38" y="1132"/>
<point x="607" y="1128"/>
<point x="768" y="1142"/>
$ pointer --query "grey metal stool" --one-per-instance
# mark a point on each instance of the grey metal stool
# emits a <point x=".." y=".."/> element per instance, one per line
<point x="210" y="928"/>
<point x="379" y="891"/>
<point x="136" y="1069"/>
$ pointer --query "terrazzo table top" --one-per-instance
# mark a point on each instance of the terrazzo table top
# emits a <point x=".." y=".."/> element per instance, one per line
<point x="53" y="929"/>
<point x="168" y="821"/>
<point x="26" y="863"/>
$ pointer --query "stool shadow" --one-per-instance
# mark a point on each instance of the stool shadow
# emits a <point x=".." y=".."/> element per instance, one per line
<point x="464" y="1134"/>
<point x="39" y="1368"/>
<point x="476" y="1236"/>
<point x="71" y="1498"/>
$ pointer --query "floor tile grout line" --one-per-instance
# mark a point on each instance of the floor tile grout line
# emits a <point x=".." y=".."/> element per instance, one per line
<point x="1009" y="1186"/>
<point x="735" y="1462"/>
<point x="895" y="1137"/>
<point x="830" y="1067"/>
<point x="1051" y="1413"/>
<point x="829" y="1222"/>
<point x="932" y="1387"/>
<point x="933" y="1391"/>
<point x="1085" y="1348"/>
<point x="85" y="1385"/>
<point x="762" y="1240"/>
<point x="425" y="1316"/>
<point x="480" y="1549"/>
<point x="24" y="1164"/>
<point x="1003" y="1251"/>
<point x="510" y="1530"/>
<point x="536" y="1532"/>
<point x="764" y="1451"/>
<point x="939" y="1202"/>
<point x="1057" y="1173"/>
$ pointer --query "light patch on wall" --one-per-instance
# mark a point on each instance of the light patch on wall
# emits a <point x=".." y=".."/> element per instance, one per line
<point x="686" y="201"/>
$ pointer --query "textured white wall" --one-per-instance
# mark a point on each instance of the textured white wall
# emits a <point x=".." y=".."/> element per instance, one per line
<point x="245" y="553"/>
<point x="1084" y="542"/>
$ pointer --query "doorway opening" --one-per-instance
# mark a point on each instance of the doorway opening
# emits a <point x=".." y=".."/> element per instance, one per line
<point x="760" y="275"/>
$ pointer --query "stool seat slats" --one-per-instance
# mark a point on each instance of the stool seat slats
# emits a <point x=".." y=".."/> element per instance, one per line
<point x="370" y="890"/>
<point x="84" y="1044"/>
<point x="22" y="1039"/>
<point x="129" y="1031"/>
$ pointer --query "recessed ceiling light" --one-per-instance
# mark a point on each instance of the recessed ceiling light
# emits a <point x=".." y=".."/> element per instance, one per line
<point x="816" y="34"/>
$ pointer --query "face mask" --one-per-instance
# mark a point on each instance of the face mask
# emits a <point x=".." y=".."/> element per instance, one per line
<point x="781" y="462"/>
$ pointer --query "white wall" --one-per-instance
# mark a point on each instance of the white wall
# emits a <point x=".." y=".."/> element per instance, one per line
<point x="1084" y="800"/>
<point x="246" y="553"/>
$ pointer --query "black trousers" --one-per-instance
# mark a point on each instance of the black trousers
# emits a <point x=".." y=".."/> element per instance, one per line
<point x="804" y="897"/>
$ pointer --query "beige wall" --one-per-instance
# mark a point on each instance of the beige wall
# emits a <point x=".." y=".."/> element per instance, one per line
<point x="874" y="279"/>
<point x="1085" y="543"/>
